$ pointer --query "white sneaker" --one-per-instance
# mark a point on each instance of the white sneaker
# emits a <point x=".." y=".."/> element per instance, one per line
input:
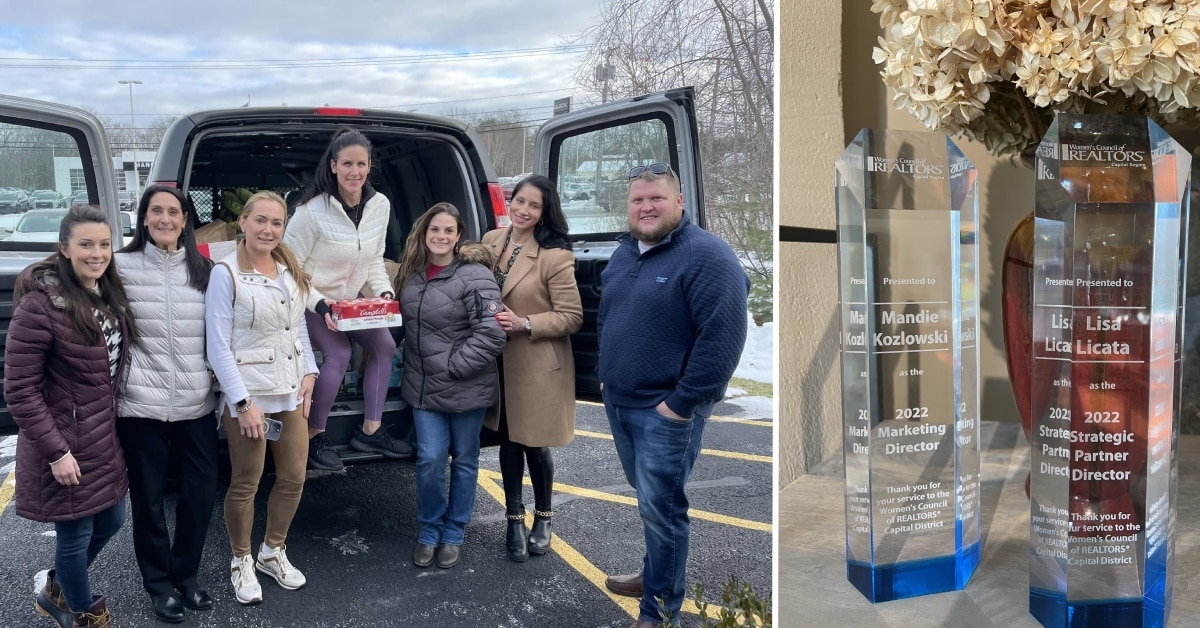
<point x="274" y="563"/>
<point x="245" y="584"/>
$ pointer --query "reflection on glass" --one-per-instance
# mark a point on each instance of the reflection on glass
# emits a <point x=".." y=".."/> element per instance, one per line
<point x="1107" y="289"/>
<point x="37" y="171"/>
<point x="593" y="172"/>
<point x="907" y="218"/>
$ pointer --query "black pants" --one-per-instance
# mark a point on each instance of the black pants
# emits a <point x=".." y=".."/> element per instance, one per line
<point x="152" y="448"/>
<point x="512" y="471"/>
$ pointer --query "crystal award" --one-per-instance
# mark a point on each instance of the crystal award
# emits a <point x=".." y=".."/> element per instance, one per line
<point x="1109" y="248"/>
<point x="907" y="214"/>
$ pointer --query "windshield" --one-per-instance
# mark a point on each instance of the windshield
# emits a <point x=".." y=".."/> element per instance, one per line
<point x="40" y="222"/>
<point x="47" y="195"/>
<point x="8" y="196"/>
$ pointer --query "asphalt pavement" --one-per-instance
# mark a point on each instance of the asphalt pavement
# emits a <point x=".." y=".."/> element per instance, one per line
<point x="354" y="534"/>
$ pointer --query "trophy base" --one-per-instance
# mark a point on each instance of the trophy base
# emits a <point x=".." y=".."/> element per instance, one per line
<point x="1052" y="610"/>
<point x="883" y="583"/>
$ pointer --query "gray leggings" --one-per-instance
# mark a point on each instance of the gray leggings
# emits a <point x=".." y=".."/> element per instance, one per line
<point x="335" y="349"/>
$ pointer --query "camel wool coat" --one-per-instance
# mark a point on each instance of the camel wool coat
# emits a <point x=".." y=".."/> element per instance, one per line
<point x="539" y="369"/>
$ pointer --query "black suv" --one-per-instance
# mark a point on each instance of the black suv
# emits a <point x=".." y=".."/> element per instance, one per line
<point x="14" y="201"/>
<point x="418" y="160"/>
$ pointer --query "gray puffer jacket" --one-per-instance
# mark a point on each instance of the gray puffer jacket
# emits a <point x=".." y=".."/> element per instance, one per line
<point x="168" y="378"/>
<point x="451" y="336"/>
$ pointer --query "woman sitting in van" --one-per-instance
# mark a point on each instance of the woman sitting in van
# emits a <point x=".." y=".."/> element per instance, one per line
<point x="258" y="347"/>
<point x="449" y="301"/>
<point x="337" y="234"/>
<point x="165" y="406"/>
<point x="68" y="344"/>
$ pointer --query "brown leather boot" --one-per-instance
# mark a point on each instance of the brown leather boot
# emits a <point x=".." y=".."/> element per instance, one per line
<point x="52" y="603"/>
<point x="95" y="617"/>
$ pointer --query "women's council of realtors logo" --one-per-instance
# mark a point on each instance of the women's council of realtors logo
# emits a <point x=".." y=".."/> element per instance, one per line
<point x="918" y="168"/>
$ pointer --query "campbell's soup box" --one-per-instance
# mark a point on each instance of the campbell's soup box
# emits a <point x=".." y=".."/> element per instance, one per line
<point x="365" y="313"/>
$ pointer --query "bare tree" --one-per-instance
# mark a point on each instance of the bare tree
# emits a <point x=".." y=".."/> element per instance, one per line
<point x="507" y="136"/>
<point x="725" y="49"/>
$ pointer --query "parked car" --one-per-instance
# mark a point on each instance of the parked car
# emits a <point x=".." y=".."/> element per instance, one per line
<point x="127" y="220"/>
<point x="14" y="202"/>
<point x="38" y="225"/>
<point x="418" y="160"/>
<point x="79" y="198"/>
<point x="128" y="200"/>
<point x="48" y="199"/>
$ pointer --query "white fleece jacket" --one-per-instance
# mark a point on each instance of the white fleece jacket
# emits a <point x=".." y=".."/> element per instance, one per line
<point x="340" y="259"/>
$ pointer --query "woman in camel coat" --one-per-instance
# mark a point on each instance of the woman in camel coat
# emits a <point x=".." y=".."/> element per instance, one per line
<point x="535" y="268"/>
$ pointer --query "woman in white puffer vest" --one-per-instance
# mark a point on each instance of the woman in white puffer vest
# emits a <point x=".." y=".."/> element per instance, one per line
<point x="165" y="405"/>
<point x="338" y="235"/>
<point x="258" y="346"/>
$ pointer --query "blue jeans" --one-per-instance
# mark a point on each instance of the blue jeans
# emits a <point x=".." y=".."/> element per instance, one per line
<point x="76" y="545"/>
<point x="657" y="455"/>
<point x="442" y="434"/>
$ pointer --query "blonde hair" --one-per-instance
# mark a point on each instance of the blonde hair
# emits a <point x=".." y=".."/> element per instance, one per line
<point x="281" y="253"/>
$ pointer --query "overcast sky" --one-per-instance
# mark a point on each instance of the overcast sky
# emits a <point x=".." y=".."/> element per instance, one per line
<point x="529" y="48"/>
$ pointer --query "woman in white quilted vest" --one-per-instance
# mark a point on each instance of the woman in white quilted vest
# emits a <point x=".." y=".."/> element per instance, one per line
<point x="258" y="347"/>
<point x="165" y="406"/>
<point x="338" y="235"/>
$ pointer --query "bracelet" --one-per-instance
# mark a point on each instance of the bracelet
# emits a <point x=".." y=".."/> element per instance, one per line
<point x="61" y="458"/>
<point x="244" y="406"/>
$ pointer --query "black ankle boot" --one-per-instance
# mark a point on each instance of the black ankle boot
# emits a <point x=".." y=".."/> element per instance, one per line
<point x="539" y="537"/>
<point x="516" y="544"/>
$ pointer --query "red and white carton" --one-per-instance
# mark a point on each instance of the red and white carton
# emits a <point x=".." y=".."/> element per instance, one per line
<point x="365" y="313"/>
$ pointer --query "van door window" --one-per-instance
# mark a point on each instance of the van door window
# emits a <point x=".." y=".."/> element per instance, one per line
<point x="40" y="169"/>
<point x="593" y="171"/>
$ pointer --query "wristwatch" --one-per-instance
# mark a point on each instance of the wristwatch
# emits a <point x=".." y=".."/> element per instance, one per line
<point x="528" y="324"/>
<point x="243" y="406"/>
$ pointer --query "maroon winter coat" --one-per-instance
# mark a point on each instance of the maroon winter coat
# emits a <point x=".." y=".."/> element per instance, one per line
<point x="60" y="393"/>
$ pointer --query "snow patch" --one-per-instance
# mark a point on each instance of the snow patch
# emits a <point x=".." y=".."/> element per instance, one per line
<point x="349" y="543"/>
<point x="758" y="357"/>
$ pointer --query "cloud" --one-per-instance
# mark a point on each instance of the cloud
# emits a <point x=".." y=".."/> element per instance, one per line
<point x="125" y="37"/>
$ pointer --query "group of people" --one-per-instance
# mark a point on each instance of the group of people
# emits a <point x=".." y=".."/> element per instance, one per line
<point x="110" y="359"/>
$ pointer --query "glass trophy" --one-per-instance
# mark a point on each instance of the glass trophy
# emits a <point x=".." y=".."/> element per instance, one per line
<point x="1109" y="249"/>
<point x="906" y="223"/>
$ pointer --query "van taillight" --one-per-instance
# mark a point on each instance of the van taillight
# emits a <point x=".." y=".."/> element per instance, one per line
<point x="167" y="184"/>
<point x="337" y="111"/>
<point x="499" y="206"/>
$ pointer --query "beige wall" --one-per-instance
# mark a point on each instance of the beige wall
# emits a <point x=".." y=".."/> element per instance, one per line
<point x="829" y="90"/>
<point x="810" y="139"/>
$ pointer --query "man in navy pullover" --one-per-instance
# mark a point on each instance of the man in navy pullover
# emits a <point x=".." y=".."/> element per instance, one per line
<point x="672" y="324"/>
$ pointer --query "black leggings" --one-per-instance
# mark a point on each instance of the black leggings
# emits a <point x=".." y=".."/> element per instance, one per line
<point x="541" y="474"/>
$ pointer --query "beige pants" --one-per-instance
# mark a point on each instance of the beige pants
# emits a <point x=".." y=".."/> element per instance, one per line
<point x="246" y="459"/>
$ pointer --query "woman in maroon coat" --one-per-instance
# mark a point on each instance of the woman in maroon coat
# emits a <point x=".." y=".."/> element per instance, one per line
<point x="65" y="352"/>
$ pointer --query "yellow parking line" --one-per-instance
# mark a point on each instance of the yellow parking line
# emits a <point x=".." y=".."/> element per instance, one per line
<point x="631" y="501"/>
<point x="715" y="417"/>
<point x="7" y="488"/>
<point x="577" y="561"/>
<point x="711" y="452"/>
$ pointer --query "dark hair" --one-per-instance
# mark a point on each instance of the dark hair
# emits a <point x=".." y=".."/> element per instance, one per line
<point x="79" y="300"/>
<point x="324" y="181"/>
<point x="552" y="231"/>
<point x="198" y="266"/>
<point x="416" y="253"/>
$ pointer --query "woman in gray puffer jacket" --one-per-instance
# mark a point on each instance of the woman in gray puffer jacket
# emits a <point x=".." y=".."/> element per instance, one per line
<point x="448" y="300"/>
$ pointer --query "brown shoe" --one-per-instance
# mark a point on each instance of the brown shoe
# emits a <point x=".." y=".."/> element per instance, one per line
<point x="51" y="602"/>
<point x="629" y="585"/>
<point x="95" y="617"/>
<point x="447" y="556"/>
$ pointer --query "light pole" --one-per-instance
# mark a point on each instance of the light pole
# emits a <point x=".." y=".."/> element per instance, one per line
<point x="132" y="134"/>
<point x="132" y="126"/>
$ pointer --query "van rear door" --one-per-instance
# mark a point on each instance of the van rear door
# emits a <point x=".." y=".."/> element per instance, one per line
<point x="45" y="145"/>
<point x="588" y="155"/>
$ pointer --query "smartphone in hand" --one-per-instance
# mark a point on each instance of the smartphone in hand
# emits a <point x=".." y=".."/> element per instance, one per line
<point x="272" y="428"/>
